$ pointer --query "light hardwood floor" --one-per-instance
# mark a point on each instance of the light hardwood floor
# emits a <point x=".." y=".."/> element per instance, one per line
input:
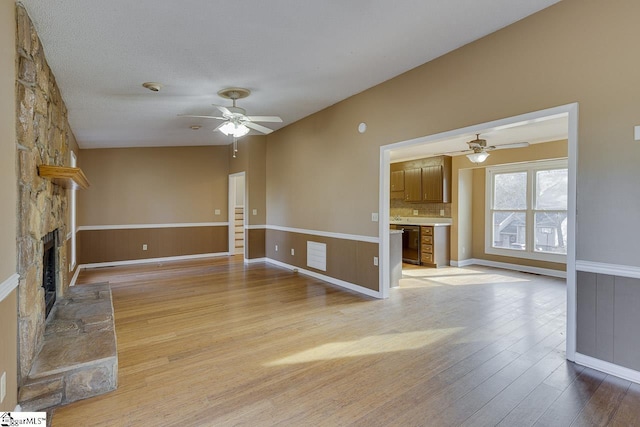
<point x="217" y="343"/>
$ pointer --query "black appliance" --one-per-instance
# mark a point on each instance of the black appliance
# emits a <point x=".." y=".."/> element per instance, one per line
<point x="410" y="243"/>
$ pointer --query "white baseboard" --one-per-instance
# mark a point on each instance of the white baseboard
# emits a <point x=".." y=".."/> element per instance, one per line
<point x="75" y="276"/>
<point x="341" y="283"/>
<point x="9" y="285"/>
<point x="608" y="368"/>
<point x="463" y="263"/>
<point x="150" y="260"/>
<point x="254" y="260"/>
<point x="509" y="266"/>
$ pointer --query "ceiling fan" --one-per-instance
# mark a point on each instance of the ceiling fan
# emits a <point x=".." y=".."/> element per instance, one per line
<point x="480" y="150"/>
<point x="235" y="121"/>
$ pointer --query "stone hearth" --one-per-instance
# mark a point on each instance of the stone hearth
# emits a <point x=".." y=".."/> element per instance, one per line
<point x="79" y="357"/>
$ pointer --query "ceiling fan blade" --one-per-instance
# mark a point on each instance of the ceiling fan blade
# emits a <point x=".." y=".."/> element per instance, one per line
<point x="454" y="152"/>
<point x="258" y="127"/>
<point x="223" y="109"/>
<point x="272" y="119"/>
<point x="512" y="145"/>
<point x="201" y="117"/>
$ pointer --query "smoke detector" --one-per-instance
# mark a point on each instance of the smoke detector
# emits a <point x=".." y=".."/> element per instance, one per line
<point x="152" y="86"/>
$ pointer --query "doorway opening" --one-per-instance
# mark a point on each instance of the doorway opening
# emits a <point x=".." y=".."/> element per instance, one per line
<point x="570" y="112"/>
<point x="237" y="216"/>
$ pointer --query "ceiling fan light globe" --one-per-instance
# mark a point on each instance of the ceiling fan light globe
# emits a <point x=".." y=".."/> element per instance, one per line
<point x="234" y="129"/>
<point x="478" y="157"/>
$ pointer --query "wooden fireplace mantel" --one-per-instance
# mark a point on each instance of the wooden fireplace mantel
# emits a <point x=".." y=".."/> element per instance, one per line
<point x="66" y="177"/>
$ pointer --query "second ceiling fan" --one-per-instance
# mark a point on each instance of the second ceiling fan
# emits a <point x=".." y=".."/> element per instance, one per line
<point x="236" y="123"/>
<point x="480" y="150"/>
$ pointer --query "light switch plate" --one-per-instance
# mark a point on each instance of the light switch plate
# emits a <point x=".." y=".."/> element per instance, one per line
<point x="636" y="132"/>
<point x="293" y="251"/>
<point x="375" y="260"/>
<point x="144" y="247"/>
<point x="255" y="211"/>
<point x="374" y="217"/>
<point x="217" y="211"/>
<point x="415" y="212"/>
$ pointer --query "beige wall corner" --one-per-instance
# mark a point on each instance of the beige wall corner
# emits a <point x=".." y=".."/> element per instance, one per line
<point x="8" y="195"/>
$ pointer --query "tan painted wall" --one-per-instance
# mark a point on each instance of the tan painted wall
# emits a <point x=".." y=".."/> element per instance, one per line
<point x="154" y="185"/>
<point x="475" y="199"/>
<point x="250" y="159"/>
<point x="322" y="174"/>
<point x="8" y="217"/>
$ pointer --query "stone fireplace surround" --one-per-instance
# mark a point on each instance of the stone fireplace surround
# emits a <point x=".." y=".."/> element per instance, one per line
<point x="72" y="356"/>
<point x="43" y="137"/>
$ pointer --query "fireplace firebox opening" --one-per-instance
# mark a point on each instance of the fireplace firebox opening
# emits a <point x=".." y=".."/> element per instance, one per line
<point x="49" y="276"/>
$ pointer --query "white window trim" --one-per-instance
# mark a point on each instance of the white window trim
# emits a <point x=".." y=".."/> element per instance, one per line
<point x="530" y="168"/>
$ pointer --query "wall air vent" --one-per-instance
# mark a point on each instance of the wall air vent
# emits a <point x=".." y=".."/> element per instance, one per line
<point x="317" y="255"/>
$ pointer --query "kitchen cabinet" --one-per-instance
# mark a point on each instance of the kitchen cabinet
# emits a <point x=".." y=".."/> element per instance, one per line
<point x="397" y="185"/>
<point x="397" y="181"/>
<point x="432" y="183"/>
<point x="436" y="182"/>
<point x="413" y="185"/>
<point x="434" y="245"/>
<point x="424" y="180"/>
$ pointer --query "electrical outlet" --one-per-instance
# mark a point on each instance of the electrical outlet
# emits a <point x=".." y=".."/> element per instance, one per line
<point x="3" y="387"/>
<point x="276" y="248"/>
<point x="374" y="217"/>
<point x="293" y="251"/>
<point x="441" y="212"/>
<point x="415" y="212"/>
<point x="144" y="247"/>
<point x="217" y="212"/>
<point x="375" y="260"/>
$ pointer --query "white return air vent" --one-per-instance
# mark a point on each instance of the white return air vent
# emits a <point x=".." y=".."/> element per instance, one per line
<point x="317" y="255"/>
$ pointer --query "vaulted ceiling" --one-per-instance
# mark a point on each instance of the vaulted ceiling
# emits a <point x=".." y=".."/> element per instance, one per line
<point x="297" y="57"/>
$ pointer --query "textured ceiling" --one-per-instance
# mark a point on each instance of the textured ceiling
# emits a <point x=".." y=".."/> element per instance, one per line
<point x="297" y="57"/>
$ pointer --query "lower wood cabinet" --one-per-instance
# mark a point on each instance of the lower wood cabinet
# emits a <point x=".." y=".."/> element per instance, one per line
<point x="434" y="245"/>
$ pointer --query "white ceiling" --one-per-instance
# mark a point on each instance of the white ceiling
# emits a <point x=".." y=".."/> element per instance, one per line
<point x="297" y="57"/>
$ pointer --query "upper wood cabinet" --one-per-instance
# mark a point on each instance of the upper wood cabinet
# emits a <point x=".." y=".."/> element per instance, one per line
<point x="432" y="183"/>
<point x="413" y="185"/>
<point x="436" y="182"/>
<point x="397" y="181"/>
<point x="425" y="180"/>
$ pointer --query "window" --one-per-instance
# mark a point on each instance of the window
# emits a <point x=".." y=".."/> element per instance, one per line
<point x="527" y="210"/>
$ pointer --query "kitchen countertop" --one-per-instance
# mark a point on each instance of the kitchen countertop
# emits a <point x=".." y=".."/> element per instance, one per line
<point x="434" y="222"/>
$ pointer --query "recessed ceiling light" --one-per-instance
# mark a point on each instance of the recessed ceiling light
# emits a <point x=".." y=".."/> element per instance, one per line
<point x="152" y="86"/>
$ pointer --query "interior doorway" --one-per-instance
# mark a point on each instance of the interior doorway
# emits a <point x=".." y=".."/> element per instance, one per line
<point x="571" y="112"/>
<point x="237" y="217"/>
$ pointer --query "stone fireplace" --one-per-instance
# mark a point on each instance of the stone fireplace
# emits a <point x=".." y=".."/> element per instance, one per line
<point x="43" y="138"/>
